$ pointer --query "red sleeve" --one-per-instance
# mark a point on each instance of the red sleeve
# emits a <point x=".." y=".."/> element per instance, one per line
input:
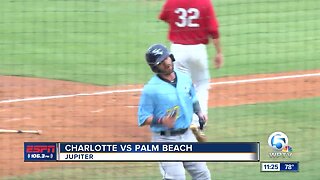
<point x="164" y="14"/>
<point x="213" y="22"/>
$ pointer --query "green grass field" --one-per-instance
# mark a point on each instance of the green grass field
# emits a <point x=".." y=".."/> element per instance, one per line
<point x="299" y="119"/>
<point x="103" y="42"/>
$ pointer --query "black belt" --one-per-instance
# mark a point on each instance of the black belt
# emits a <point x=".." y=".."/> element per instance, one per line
<point x="173" y="132"/>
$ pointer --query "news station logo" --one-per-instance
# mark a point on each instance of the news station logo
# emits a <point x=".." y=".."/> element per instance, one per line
<point x="37" y="151"/>
<point x="279" y="142"/>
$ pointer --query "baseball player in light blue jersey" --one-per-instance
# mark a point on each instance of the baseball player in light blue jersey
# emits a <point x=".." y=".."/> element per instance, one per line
<point x="167" y="104"/>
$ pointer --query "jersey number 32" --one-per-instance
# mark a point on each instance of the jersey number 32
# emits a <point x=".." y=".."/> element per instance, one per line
<point x="186" y="16"/>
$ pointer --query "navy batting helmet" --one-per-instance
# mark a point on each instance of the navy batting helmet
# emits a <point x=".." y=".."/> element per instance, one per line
<point x="156" y="54"/>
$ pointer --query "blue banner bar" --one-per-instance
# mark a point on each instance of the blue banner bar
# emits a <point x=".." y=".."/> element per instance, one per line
<point x="212" y="147"/>
<point x="289" y="166"/>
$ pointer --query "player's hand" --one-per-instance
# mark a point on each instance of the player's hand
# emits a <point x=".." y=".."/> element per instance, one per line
<point x="202" y="119"/>
<point x="169" y="119"/>
<point x="218" y="61"/>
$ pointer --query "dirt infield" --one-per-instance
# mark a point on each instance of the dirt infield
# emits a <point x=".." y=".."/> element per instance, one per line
<point x="68" y="111"/>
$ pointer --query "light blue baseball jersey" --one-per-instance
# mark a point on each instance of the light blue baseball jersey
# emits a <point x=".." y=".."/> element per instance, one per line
<point x="159" y="97"/>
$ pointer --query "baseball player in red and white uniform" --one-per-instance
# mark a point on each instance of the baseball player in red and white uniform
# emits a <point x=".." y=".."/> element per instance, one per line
<point x="191" y="24"/>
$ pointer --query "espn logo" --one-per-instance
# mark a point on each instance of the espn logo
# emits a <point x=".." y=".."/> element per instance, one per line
<point x="40" y="148"/>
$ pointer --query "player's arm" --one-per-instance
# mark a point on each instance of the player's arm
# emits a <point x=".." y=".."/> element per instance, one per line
<point x="196" y="105"/>
<point x="167" y="120"/>
<point x="217" y="45"/>
<point x="148" y="121"/>
<point x="218" y="61"/>
<point x="197" y="110"/>
<point x="215" y="34"/>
